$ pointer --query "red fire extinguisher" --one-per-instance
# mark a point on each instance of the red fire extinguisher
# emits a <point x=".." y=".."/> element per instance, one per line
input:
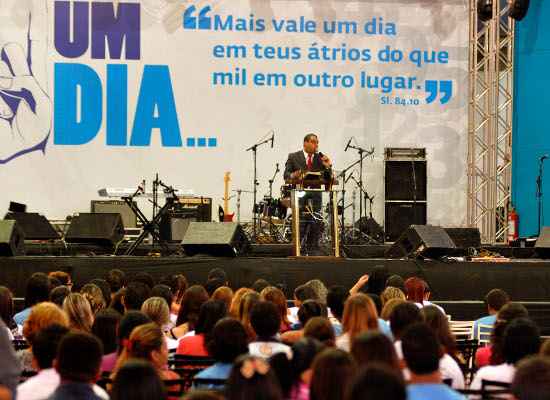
<point x="513" y="225"/>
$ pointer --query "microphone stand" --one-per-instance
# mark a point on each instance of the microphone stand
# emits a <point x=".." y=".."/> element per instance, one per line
<point x="254" y="149"/>
<point x="344" y="181"/>
<point x="361" y="152"/>
<point x="539" y="191"/>
<point x="271" y="202"/>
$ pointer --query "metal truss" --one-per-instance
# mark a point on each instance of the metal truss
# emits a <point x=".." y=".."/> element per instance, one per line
<point x="490" y="122"/>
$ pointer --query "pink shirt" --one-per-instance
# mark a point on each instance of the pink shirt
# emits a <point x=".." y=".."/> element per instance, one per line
<point x="108" y="362"/>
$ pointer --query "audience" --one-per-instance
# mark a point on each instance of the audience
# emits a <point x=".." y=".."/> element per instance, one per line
<point x="78" y="363"/>
<point x="63" y="277"/>
<point x="229" y="340"/>
<point x="259" y="285"/>
<point x="191" y="303"/>
<point x="36" y="291"/>
<point x="252" y="378"/>
<point x="494" y="301"/>
<point x="333" y="370"/>
<point x="332" y="345"/>
<point x="422" y="352"/>
<point x="138" y="380"/>
<point x="195" y="345"/>
<point x="359" y="316"/>
<point x="377" y="382"/>
<point x="521" y="338"/>
<point x="41" y="315"/>
<point x="265" y="319"/>
<point x="105" y="328"/>
<point x="79" y="311"/>
<point x="277" y="297"/>
<point x="7" y="312"/>
<point x="532" y="379"/>
<point x="374" y="347"/>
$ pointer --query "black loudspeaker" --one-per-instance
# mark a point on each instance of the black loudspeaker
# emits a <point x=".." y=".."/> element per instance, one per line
<point x="400" y="215"/>
<point x="172" y="229"/>
<point x="465" y="238"/>
<point x="542" y="246"/>
<point x="215" y="238"/>
<point x="12" y="239"/>
<point x="102" y="229"/>
<point x="405" y="179"/>
<point x="33" y="225"/>
<point x="371" y="228"/>
<point x="129" y="219"/>
<point x="422" y="240"/>
<point x="518" y="9"/>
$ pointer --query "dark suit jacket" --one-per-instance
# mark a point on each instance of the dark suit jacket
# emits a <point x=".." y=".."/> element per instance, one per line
<point x="297" y="161"/>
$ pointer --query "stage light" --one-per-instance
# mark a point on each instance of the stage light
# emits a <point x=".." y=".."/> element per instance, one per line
<point x="518" y="9"/>
<point x="485" y="9"/>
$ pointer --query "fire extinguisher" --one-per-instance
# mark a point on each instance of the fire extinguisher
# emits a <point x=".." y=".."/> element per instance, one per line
<point x="513" y="225"/>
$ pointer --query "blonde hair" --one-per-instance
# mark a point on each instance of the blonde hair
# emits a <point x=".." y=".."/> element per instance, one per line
<point x="236" y="301"/>
<point x="391" y="293"/>
<point x="248" y="301"/>
<point x="79" y="311"/>
<point x="359" y="315"/>
<point x="225" y="294"/>
<point x="94" y="295"/>
<point x="389" y="306"/>
<point x="157" y="309"/>
<point x="43" y="315"/>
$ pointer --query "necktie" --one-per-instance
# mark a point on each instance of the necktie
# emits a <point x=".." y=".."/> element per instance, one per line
<point x="309" y="161"/>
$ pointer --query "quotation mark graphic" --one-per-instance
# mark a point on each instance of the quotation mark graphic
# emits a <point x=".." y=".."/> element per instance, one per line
<point x="433" y="88"/>
<point x="190" y="21"/>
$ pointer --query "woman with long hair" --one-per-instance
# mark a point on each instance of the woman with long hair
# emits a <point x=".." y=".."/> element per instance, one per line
<point x="79" y="311"/>
<point x="248" y="301"/>
<point x="333" y="371"/>
<point x="191" y="303"/>
<point x="236" y="301"/>
<point x="7" y="311"/>
<point x="277" y="297"/>
<point x="147" y="343"/>
<point x="359" y="316"/>
<point x="374" y="347"/>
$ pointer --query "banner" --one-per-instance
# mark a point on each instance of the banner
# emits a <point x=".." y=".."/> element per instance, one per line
<point x="110" y="93"/>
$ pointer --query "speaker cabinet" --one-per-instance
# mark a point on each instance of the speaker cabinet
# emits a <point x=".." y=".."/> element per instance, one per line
<point x="173" y="229"/>
<point x="101" y="229"/>
<point x="215" y="238"/>
<point x="542" y="246"/>
<point x="12" y="239"/>
<point x="33" y="225"/>
<point x="405" y="180"/>
<point x="422" y="240"/>
<point x="400" y="215"/>
<point x="129" y="219"/>
<point x="465" y="238"/>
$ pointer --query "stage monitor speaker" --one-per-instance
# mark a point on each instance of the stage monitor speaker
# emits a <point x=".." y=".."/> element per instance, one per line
<point x="370" y="227"/>
<point x="465" y="238"/>
<point x="12" y="239"/>
<point x="405" y="180"/>
<point x="215" y="238"/>
<point x="422" y="240"/>
<point x="400" y="215"/>
<point x="129" y="218"/>
<point x="33" y="225"/>
<point x="542" y="246"/>
<point x="97" y="228"/>
<point x="173" y="229"/>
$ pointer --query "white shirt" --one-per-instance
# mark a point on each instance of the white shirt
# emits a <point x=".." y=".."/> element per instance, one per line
<point x="428" y="303"/>
<point x="500" y="373"/>
<point x="342" y="342"/>
<point x="43" y="384"/>
<point x="267" y="349"/>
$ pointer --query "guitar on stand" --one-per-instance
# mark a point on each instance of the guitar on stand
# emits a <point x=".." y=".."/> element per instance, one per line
<point x="225" y="215"/>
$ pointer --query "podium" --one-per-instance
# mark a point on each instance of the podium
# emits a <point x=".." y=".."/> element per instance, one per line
<point x="331" y="209"/>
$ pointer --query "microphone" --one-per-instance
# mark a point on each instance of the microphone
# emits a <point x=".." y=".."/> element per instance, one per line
<point x="277" y="168"/>
<point x="272" y="138"/>
<point x="349" y="143"/>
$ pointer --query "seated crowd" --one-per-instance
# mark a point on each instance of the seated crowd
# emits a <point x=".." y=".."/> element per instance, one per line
<point x="123" y="338"/>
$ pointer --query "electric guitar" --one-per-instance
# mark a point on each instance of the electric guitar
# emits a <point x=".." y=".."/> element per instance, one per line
<point x="227" y="217"/>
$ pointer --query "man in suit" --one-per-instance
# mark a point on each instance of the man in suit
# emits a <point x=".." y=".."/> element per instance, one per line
<point x="308" y="159"/>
